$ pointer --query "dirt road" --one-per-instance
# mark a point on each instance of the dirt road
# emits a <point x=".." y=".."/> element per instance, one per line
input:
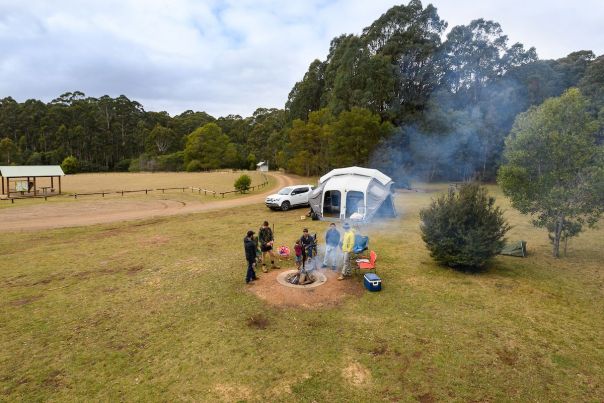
<point x="81" y="213"/>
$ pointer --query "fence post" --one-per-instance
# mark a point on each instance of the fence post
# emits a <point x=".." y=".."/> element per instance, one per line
<point x="122" y="193"/>
<point x="12" y="200"/>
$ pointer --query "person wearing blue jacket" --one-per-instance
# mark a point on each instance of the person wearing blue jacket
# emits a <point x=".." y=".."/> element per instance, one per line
<point x="332" y="241"/>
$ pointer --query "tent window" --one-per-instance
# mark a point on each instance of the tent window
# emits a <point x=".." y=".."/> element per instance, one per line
<point x="355" y="203"/>
<point x="331" y="203"/>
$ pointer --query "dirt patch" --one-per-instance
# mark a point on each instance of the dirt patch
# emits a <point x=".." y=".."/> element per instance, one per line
<point x="258" y="322"/>
<point x="54" y="380"/>
<point x="155" y="240"/>
<point x="425" y="398"/>
<point x="25" y="300"/>
<point x="233" y="393"/>
<point x="134" y="269"/>
<point x="379" y="350"/>
<point x="356" y="374"/>
<point x="130" y="270"/>
<point x="508" y="356"/>
<point x="331" y="293"/>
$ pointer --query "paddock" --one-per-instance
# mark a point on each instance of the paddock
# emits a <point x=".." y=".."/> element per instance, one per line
<point x="30" y="180"/>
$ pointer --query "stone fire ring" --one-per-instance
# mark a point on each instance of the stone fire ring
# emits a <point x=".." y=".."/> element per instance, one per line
<point x="320" y="279"/>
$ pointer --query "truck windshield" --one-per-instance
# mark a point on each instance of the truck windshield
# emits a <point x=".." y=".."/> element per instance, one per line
<point x="284" y="191"/>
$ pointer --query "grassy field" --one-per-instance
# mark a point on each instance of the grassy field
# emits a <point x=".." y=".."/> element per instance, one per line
<point x="217" y="181"/>
<point x="113" y="182"/>
<point x="158" y="310"/>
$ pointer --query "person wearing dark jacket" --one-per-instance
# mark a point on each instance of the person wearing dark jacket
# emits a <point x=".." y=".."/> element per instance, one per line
<point x="250" y="255"/>
<point x="309" y="247"/>
<point x="265" y="235"/>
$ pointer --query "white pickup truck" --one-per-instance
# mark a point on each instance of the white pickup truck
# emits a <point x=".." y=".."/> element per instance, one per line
<point x="289" y="197"/>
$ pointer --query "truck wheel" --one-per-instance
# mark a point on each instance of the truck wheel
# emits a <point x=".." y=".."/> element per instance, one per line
<point x="285" y="206"/>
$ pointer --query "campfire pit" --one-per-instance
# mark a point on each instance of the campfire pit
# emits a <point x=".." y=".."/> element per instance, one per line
<point x="289" y="279"/>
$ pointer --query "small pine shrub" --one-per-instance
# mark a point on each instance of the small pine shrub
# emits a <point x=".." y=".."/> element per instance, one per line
<point x="464" y="229"/>
<point x="70" y="165"/>
<point x="194" y="166"/>
<point x="243" y="183"/>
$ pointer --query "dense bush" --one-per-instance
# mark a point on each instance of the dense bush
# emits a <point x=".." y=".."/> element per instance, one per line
<point x="135" y="165"/>
<point x="194" y="166"/>
<point x="243" y="183"/>
<point x="87" y="166"/>
<point x="171" y="162"/>
<point x="463" y="229"/>
<point x="123" y="165"/>
<point x="70" y="165"/>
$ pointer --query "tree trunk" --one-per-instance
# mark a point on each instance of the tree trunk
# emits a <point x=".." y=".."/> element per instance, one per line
<point x="557" y="235"/>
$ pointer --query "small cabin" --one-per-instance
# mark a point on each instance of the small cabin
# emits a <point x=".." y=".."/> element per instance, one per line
<point x="30" y="180"/>
<point x="262" y="166"/>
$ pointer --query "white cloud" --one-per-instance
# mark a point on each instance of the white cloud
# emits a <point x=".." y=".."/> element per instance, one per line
<point x="226" y="56"/>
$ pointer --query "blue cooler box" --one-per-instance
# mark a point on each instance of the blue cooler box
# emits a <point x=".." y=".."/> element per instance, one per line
<point x="372" y="282"/>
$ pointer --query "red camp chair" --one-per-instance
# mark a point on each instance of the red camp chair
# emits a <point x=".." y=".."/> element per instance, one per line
<point x="368" y="264"/>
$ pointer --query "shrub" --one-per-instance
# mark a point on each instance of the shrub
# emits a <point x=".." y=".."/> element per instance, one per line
<point x="194" y="166"/>
<point x="463" y="229"/>
<point x="70" y="165"/>
<point x="171" y="162"/>
<point x="123" y="165"/>
<point x="243" y="183"/>
<point x="135" y="165"/>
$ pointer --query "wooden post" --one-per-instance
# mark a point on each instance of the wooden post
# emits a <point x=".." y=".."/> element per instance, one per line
<point x="35" y="188"/>
<point x="59" y="185"/>
<point x="2" y="184"/>
<point x="52" y="182"/>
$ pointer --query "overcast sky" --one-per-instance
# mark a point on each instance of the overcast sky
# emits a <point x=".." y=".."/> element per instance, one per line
<point x="232" y="56"/>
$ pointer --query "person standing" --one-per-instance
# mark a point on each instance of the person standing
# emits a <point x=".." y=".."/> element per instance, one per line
<point x="332" y="240"/>
<point x="250" y="255"/>
<point x="265" y="235"/>
<point x="347" y="246"/>
<point x="298" y="252"/>
<point x="308" y="245"/>
<point x="258" y="252"/>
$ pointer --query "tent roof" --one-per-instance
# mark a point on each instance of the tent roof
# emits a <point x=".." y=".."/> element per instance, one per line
<point x="368" y="172"/>
<point x="30" y="170"/>
<point x="348" y="182"/>
<point x="261" y="163"/>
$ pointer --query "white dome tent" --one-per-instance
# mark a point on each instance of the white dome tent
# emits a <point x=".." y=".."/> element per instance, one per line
<point x="353" y="191"/>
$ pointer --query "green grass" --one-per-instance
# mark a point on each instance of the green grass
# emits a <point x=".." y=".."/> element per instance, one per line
<point x="157" y="310"/>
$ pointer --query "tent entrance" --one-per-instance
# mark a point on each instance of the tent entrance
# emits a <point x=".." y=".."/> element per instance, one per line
<point x="355" y="203"/>
<point x="332" y="203"/>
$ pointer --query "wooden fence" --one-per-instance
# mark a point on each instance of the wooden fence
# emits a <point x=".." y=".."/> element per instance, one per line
<point x="122" y="192"/>
<point x="263" y="184"/>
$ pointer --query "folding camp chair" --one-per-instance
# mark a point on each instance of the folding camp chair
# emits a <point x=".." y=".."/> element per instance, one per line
<point x="367" y="264"/>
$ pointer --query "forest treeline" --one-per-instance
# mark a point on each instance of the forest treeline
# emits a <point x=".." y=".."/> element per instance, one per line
<point x="402" y="96"/>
